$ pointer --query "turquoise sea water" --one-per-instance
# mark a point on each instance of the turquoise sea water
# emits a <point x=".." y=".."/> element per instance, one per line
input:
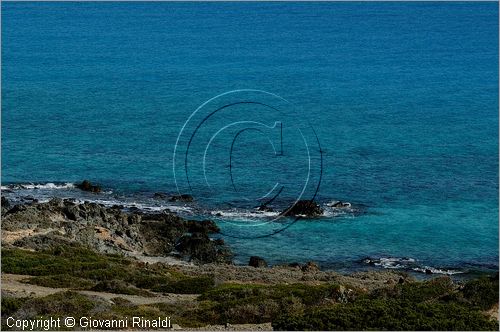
<point x="402" y="96"/>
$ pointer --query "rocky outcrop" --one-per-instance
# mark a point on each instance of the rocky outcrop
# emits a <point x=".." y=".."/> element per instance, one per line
<point x="310" y="267"/>
<point x="111" y="230"/>
<point x="303" y="208"/>
<point x="257" y="261"/>
<point x="5" y="205"/>
<point x="198" y="247"/>
<point x="204" y="226"/>
<point x="86" y="185"/>
<point x="182" y="198"/>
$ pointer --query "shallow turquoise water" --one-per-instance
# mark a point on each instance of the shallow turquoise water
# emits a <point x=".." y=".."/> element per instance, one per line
<point x="403" y="98"/>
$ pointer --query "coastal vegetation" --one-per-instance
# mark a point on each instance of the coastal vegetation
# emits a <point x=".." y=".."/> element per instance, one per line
<point x="436" y="304"/>
<point x="76" y="267"/>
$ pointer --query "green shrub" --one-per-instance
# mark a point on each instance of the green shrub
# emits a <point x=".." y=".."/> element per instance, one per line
<point x="119" y="287"/>
<point x="417" y="291"/>
<point x="308" y="294"/>
<point x="482" y="292"/>
<point x="146" y="279"/>
<point x="196" y="285"/>
<point x="243" y="303"/>
<point x="61" y="281"/>
<point x="70" y="260"/>
<point x="385" y="314"/>
<point x="81" y="268"/>
<point x="11" y="304"/>
<point x="60" y="304"/>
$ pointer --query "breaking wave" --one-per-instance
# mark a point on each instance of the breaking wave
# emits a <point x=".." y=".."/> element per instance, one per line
<point x="407" y="263"/>
<point x="32" y="186"/>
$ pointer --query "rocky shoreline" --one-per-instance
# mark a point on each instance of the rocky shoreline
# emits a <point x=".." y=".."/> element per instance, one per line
<point x="110" y="230"/>
<point x="116" y="229"/>
<point x="192" y="246"/>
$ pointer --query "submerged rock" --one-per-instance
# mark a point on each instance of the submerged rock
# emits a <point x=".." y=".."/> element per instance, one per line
<point x="304" y="208"/>
<point x="86" y="185"/>
<point x="265" y="208"/>
<point x="257" y="261"/>
<point x="181" y="198"/>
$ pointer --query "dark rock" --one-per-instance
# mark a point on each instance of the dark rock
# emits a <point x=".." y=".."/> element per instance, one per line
<point x="427" y="271"/>
<point x="5" y="203"/>
<point x="265" y="208"/>
<point x="134" y="219"/>
<point x="256" y="261"/>
<point x="17" y="208"/>
<point x="71" y="212"/>
<point x="341" y="205"/>
<point x="181" y="198"/>
<point x="160" y="196"/>
<point x="205" y="226"/>
<point x="86" y="185"/>
<point x="42" y="242"/>
<point x="401" y="280"/>
<point x="199" y="248"/>
<point x="219" y="242"/>
<point x="294" y="265"/>
<point x="310" y="267"/>
<point x="109" y="230"/>
<point x="303" y="208"/>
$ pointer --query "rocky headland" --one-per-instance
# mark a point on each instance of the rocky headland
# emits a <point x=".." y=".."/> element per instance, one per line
<point x="110" y="230"/>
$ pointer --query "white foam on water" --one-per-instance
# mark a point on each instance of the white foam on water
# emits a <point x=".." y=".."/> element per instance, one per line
<point x="436" y="271"/>
<point x="32" y="186"/>
<point x="407" y="263"/>
<point x="145" y="207"/>
<point x="254" y="214"/>
<point x="346" y="205"/>
<point x="394" y="262"/>
<point x="329" y="210"/>
<point x="244" y="214"/>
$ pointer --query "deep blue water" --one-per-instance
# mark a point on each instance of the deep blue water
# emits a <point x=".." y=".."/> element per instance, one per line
<point x="402" y="96"/>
